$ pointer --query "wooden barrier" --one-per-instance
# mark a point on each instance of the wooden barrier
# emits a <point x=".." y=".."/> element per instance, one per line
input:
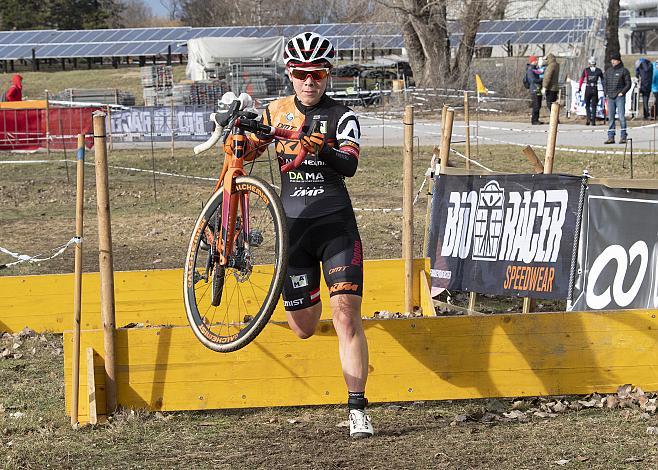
<point x="45" y="303"/>
<point x="410" y="359"/>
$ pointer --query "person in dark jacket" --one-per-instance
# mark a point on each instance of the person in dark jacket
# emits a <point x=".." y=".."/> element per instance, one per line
<point x="590" y="79"/>
<point x="616" y="83"/>
<point x="534" y="81"/>
<point x="644" y="72"/>
<point x="551" y="82"/>
<point x="15" y="91"/>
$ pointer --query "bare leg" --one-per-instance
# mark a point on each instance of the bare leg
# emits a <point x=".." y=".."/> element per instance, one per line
<point x="304" y="321"/>
<point x="352" y="343"/>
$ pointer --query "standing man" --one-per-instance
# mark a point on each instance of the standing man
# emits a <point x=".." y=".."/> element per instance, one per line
<point x="322" y="229"/>
<point x="590" y="78"/>
<point x="533" y="82"/>
<point x="616" y="83"/>
<point x="551" y="82"/>
<point x="644" y="72"/>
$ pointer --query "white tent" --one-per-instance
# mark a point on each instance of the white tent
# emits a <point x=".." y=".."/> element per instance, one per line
<point x="206" y="53"/>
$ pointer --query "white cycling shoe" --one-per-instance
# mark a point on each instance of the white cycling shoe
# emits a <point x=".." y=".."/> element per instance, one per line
<point x="360" y="425"/>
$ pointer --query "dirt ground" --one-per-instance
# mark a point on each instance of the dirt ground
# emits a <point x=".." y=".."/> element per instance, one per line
<point x="151" y="226"/>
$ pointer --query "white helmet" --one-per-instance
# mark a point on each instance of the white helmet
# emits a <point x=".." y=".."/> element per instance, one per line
<point x="591" y="61"/>
<point x="308" y="50"/>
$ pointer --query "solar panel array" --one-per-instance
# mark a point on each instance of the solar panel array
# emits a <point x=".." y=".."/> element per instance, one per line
<point x="53" y="44"/>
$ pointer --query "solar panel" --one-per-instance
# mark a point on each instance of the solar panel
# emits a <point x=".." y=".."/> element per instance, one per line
<point x="150" y="41"/>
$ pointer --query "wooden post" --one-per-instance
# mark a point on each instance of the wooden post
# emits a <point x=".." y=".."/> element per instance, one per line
<point x="467" y="125"/>
<point x="77" y="287"/>
<point x="172" y="126"/>
<point x="47" y="123"/>
<point x="407" y="207"/>
<point x="105" y="258"/>
<point x="552" y="139"/>
<point x="446" y="137"/>
<point x="530" y="154"/>
<point x="91" y="387"/>
<point x="529" y="304"/>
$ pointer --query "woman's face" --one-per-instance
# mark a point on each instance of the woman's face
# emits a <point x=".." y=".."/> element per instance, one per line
<point x="309" y="84"/>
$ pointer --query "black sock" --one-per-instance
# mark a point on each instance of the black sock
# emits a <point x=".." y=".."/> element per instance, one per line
<point x="356" y="400"/>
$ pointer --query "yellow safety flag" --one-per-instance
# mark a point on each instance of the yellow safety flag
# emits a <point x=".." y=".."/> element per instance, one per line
<point x="480" y="86"/>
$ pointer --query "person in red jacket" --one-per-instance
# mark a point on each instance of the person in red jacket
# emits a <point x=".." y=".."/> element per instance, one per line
<point x="15" y="91"/>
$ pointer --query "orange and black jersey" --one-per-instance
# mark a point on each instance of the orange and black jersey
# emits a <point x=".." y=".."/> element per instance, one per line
<point x="317" y="187"/>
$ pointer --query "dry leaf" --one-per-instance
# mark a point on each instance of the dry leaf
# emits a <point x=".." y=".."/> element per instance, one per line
<point x="515" y="414"/>
<point x="652" y="430"/>
<point x="562" y="461"/>
<point x="582" y="458"/>
<point x="343" y="424"/>
<point x="623" y="391"/>
<point x="611" y="401"/>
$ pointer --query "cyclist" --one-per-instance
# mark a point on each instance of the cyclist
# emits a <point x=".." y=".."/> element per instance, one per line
<point x="591" y="77"/>
<point x="321" y="223"/>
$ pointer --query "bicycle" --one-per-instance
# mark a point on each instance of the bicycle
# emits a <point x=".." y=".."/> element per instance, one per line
<point x="237" y="255"/>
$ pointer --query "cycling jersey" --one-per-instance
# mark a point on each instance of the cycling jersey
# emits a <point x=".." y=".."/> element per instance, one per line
<point x="317" y="187"/>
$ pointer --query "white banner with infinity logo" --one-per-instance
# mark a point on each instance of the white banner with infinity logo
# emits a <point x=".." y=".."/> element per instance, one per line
<point x="618" y="250"/>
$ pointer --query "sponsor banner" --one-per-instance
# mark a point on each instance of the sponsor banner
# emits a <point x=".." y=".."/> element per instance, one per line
<point x="141" y="124"/>
<point x="506" y="234"/>
<point x="578" y="100"/>
<point x="618" y="250"/>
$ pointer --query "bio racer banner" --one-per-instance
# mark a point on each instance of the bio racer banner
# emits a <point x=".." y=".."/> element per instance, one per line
<point x="618" y="250"/>
<point x="155" y="123"/>
<point x="507" y="234"/>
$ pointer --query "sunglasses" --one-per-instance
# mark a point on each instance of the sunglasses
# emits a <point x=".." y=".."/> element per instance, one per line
<point x="317" y="74"/>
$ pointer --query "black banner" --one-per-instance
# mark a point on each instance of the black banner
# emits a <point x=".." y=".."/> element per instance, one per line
<point x="505" y="234"/>
<point x="618" y="250"/>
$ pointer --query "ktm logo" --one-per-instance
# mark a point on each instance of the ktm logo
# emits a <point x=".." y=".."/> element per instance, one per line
<point x="343" y="286"/>
<point x="287" y="147"/>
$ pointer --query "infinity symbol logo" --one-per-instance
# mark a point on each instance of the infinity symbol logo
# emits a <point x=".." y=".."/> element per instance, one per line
<point x="617" y="253"/>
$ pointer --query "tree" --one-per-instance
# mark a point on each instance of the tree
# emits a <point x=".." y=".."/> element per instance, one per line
<point x="60" y="14"/>
<point x="612" y="31"/>
<point x="425" y="29"/>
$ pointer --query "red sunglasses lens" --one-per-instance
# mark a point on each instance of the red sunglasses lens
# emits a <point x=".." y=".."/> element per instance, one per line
<point x="315" y="74"/>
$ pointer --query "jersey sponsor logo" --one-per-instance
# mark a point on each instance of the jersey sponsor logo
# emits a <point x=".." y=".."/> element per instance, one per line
<point x="293" y="303"/>
<point x="290" y="117"/>
<point x="348" y="128"/>
<point x="357" y="254"/>
<point x="522" y="226"/>
<point x="305" y="177"/>
<point x="307" y="192"/>
<point x="299" y="281"/>
<point x="323" y="127"/>
<point x="338" y="269"/>
<point x="343" y="287"/>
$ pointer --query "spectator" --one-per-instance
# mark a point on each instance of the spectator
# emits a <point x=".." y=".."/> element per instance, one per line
<point x="533" y="83"/>
<point x="550" y="84"/>
<point x="590" y="78"/>
<point x="654" y="88"/>
<point x="616" y="83"/>
<point x="15" y="91"/>
<point x="644" y="72"/>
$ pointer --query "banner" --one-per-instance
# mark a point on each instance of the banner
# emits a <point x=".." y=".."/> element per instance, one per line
<point x="577" y="104"/>
<point x="504" y="234"/>
<point x="618" y="250"/>
<point x="578" y="101"/>
<point x="143" y="124"/>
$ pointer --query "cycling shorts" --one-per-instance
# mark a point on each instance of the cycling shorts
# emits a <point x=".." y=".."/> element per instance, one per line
<point x="332" y="240"/>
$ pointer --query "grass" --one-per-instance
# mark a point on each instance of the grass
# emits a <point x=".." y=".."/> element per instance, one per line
<point x="125" y="78"/>
<point x="37" y="211"/>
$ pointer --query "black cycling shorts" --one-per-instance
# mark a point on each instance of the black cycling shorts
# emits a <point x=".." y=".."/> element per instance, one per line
<point x="332" y="240"/>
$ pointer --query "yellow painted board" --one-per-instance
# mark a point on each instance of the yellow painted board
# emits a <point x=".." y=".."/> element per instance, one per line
<point x="45" y="303"/>
<point x="410" y="359"/>
<point x="26" y="104"/>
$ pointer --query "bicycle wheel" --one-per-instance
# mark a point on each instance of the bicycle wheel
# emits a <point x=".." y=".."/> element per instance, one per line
<point x="247" y="289"/>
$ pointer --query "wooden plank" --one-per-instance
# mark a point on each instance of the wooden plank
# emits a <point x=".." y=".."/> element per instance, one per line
<point x="423" y="358"/>
<point x="155" y="297"/>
